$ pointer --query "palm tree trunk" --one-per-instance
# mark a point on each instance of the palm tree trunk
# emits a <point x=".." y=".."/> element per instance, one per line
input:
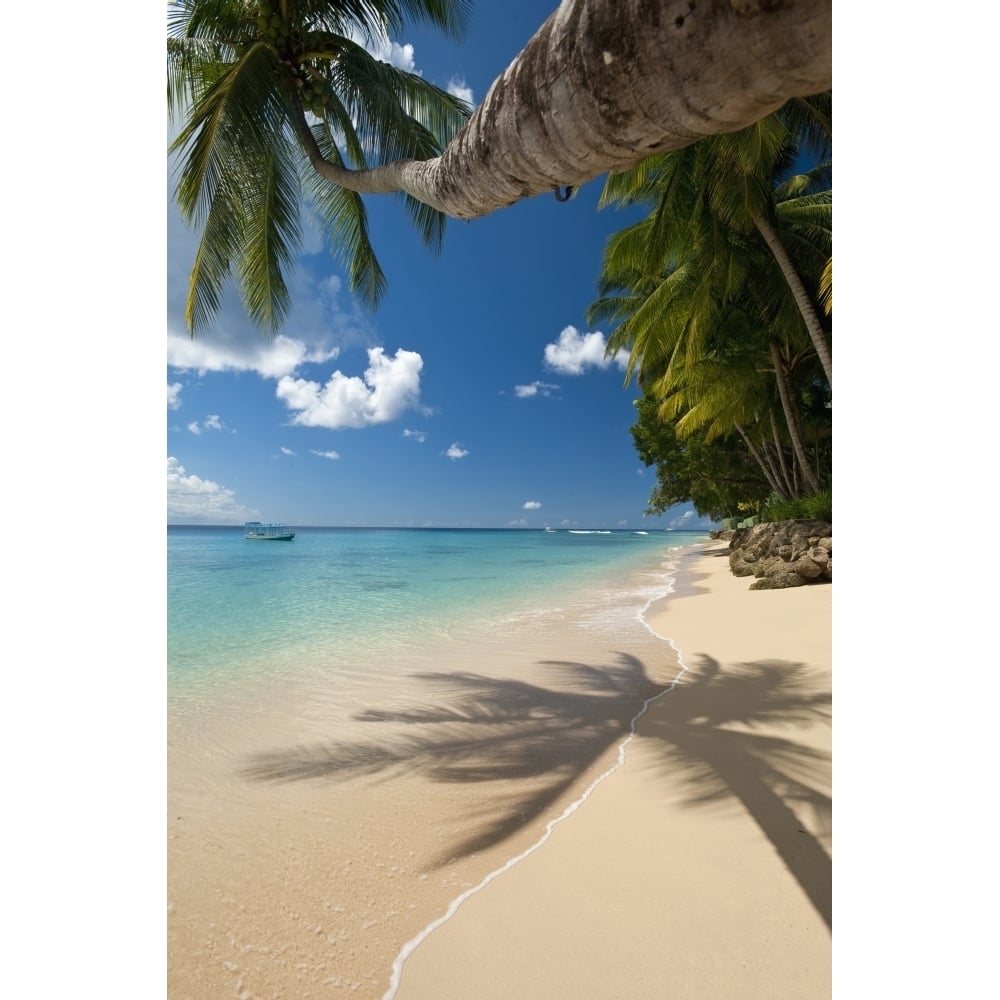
<point x="764" y="466"/>
<point x="792" y="417"/>
<point x="779" y="449"/>
<point x="799" y="293"/>
<point x="605" y="83"/>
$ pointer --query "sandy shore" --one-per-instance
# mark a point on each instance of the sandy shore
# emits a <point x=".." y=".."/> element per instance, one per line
<point x="701" y="867"/>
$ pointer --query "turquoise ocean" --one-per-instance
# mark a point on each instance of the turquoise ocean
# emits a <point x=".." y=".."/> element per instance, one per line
<point x="365" y="725"/>
<point x="357" y="602"/>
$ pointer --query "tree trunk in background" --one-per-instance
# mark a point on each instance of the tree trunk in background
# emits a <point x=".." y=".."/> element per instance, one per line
<point x="801" y="296"/>
<point x="605" y="83"/>
<point x="792" y="419"/>
<point x="779" y="451"/>
<point x="761" y="463"/>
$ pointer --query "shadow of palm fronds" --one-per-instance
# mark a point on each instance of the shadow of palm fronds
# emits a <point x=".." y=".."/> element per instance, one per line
<point x="485" y="729"/>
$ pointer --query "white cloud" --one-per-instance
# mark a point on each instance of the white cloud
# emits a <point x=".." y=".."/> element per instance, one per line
<point x="457" y="87"/>
<point x="456" y="451"/>
<point x="286" y="451"/>
<point x="419" y="436"/>
<point x="534" y="389"/>
<point x="322" y="314"/>
<point x="574" y="352"/>
<point x="211" y="423"/>
<point x="174" y="395"/>
<point x="381" y="47"/>
<point x="531" y="505"/>
<point x="217" y="353"/>
<point x="193" y="499"/>
<point x="690" y="520"/>
<point x="332" y="455"/>
<point x="389" y="386"/>
<point x="519" y="523"/>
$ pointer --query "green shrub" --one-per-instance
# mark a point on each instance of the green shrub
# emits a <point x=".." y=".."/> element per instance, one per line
<point x="814" y="508"/>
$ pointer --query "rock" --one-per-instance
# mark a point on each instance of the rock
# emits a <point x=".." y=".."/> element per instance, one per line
<point x="782" y="553"/>
<point x="779" y="581"/>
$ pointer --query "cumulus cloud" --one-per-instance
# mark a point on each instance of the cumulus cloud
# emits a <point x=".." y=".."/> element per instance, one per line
<point x="286" y="451"/>
<point x="200" y="501"/>
<point x="323" y="318"/>
<point x="574" y="352"/>
<point x="519" y="523"/>
<point x="211" y="423"/>
<point x="382" y="47"/>
<point x="457" y="87"/>
<point x="535" y="388"/>
<point x="456" y="451"/>
<point x="389" y="387"/>
<point x="174" y="395"/>
<point x="530" y="505"/>
<point x="419" y="436"/>
<point x="332" y="455"/>
<point x="220" y="353"/>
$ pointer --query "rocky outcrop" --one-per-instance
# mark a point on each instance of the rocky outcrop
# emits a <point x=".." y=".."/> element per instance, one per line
<point x="782" y="553"/>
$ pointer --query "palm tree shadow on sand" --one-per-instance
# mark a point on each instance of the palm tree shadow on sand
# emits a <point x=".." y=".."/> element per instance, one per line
<point x="483" y="729"/>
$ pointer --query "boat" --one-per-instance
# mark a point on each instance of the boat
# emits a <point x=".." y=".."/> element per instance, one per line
<point x="258" y="531"/>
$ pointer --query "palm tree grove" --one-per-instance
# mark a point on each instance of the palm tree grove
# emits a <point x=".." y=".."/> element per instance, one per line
<point x="721" y="294"/>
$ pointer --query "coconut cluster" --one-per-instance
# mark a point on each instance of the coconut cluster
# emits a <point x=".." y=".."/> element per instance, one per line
<point x="286" y="38"/>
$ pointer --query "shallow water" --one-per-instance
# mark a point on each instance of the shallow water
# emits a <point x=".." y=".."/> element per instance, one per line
<point x="365" y="724"/>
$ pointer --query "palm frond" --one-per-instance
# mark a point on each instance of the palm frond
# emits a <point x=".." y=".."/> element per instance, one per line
<point x="826" y="288"/>
<point x="240" y="117"/>
<point x="635" y="185"/>
<point x="429" y="222"/>
<point x="343" y="213"/>
<point x="217" y="248"/>
<point x="373" y="17"/>
<point x="810" y="120"/>
<point x="397" y="115"/>
<point x="271" y="235"/>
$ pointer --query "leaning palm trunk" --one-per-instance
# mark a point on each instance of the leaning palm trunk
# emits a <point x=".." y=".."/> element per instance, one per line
<point x="799" y="293"/>
<point x="605" y="83"/>
<point x="792" y="418"/>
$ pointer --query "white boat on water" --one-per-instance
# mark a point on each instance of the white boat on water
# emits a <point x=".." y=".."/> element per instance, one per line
<point x="258" y="531"/>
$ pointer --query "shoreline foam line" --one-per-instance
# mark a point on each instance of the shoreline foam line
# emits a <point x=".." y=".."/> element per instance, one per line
<point x="411" y="946"/>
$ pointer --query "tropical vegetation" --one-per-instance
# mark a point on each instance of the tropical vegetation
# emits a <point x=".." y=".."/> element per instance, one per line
<point x="722" y="296"/>
<point x="277" y="96"/>
<point x="259" y="85"/>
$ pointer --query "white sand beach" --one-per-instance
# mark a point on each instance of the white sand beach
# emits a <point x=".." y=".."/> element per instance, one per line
<point x="310" y="841"/>
<point x="699" y="869"/>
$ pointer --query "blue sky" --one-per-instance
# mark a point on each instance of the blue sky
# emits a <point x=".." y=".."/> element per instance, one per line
<point x="475" y="396"/>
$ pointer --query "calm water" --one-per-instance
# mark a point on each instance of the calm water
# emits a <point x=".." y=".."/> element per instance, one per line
<point x="363" y="724"/>
<point x="354" y="602"/>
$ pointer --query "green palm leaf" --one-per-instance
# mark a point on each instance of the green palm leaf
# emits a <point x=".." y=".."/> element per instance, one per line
<point x="241" y="83"/>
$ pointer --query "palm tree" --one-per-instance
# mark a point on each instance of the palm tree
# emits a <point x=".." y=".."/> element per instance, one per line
<point x="700" y="301"/>
<point x="566" y="110"/>
<point x="260" y="83"/>
<point x="605" y="83"/>
<point x="732" y="181"/>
